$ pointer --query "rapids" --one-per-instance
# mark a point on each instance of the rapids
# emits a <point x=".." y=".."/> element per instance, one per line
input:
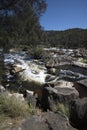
<point x="35" y="70"/>
<point x="32" y="71"/>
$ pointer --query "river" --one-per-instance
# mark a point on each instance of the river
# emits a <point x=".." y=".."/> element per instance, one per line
<point x="35" y="70"/>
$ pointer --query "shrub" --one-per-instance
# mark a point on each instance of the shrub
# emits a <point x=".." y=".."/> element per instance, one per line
<point x="84" y="61"/>
<point x="13" y="107"/>
<point x="64" y="109"/>
<point x="37" y="53"/>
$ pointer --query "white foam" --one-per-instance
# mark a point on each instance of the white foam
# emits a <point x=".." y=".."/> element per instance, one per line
<point x="32" y="71"/>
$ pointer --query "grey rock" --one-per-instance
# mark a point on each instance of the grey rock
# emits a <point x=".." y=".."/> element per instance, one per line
<point x="34" y="123"/>
<point x="57" y="121"/>
<point x="52" y="96"/>
<point x="47" y="121"/>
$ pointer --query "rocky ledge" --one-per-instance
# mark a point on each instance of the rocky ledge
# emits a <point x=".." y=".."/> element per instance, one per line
<point x="46" y="121"/>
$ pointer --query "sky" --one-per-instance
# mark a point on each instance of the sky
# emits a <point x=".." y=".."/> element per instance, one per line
<point x="64" y="14"/>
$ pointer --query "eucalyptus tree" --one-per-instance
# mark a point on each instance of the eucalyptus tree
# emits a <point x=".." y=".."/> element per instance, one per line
<point x="19" y="21"/>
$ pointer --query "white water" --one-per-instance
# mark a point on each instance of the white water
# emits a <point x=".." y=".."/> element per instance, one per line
<point x="36" y="71"/>
<point x="32" y="71"/>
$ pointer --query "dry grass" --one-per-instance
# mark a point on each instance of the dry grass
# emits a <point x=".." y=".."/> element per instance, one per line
<point x="13" y="111"/>
<point x="13" y="107"/>
<point x="64" y="109"/>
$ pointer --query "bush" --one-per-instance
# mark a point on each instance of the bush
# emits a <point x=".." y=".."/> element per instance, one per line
<point x="13" y="107"/>
<point x="64" y="109"/>
<point x="84" y="61"/>
<point x="37" y="53"/>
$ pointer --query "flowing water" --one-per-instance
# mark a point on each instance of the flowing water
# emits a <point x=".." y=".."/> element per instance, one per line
<point x="34" y="70"/>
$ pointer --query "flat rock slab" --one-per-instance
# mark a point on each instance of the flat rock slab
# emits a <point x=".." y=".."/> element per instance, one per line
<point x="47" y="121"/>
<point x="57" y="121"/>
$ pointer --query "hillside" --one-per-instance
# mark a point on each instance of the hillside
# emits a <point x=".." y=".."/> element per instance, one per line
<point x="72" y="38"/>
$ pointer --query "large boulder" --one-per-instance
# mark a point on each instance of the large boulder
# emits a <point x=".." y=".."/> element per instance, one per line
<point x="52" y="96"/>
<point x="57" y="121"/>
<point x="78" y="115"/>
<point x="63" y="84"/>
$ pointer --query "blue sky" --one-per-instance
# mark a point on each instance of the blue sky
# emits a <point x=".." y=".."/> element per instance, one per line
<point x="65" y="14"/>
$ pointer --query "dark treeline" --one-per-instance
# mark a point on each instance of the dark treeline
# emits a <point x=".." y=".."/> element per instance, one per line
<point x="72" y="38"/>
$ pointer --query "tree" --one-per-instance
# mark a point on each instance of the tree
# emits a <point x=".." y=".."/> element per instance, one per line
<point x="39" y="6"/>
<point x="19" y="21"/>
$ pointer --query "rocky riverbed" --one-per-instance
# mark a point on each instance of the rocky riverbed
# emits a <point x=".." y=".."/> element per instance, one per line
<point x="58" y="65"/>
<point x="49" y="82"/>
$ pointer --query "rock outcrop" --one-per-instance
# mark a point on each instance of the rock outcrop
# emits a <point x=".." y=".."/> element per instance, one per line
<point x="47" y="121"/>
<point x="57" y="61"/>
<point x="52" y="96"/>
<point x="57" y="121"/>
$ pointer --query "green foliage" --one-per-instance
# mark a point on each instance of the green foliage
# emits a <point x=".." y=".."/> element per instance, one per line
<point x="72" y="38"/>
<point x="39" y="6"/>
<point x="13" y="107"/>
<point x="64" y="109"/>
<point x="37" y="53"/>
<point x="19" y="22"/>
<point x="84" y="61"/>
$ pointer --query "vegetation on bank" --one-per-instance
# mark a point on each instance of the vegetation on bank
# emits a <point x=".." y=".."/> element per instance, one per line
<point x="37" y="52"/>
<point x="13" y="107"/>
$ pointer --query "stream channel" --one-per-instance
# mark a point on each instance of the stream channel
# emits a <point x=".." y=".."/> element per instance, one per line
<point x="34" y="71"/>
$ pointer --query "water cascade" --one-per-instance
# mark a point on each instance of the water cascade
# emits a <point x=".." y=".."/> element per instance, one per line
<point x="31" y="70"/>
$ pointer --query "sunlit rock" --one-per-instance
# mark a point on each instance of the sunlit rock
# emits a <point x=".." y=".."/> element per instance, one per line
<point x="64" y="84"/>
<point x="2" y="89"/>
<point x="17" y="95"/>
